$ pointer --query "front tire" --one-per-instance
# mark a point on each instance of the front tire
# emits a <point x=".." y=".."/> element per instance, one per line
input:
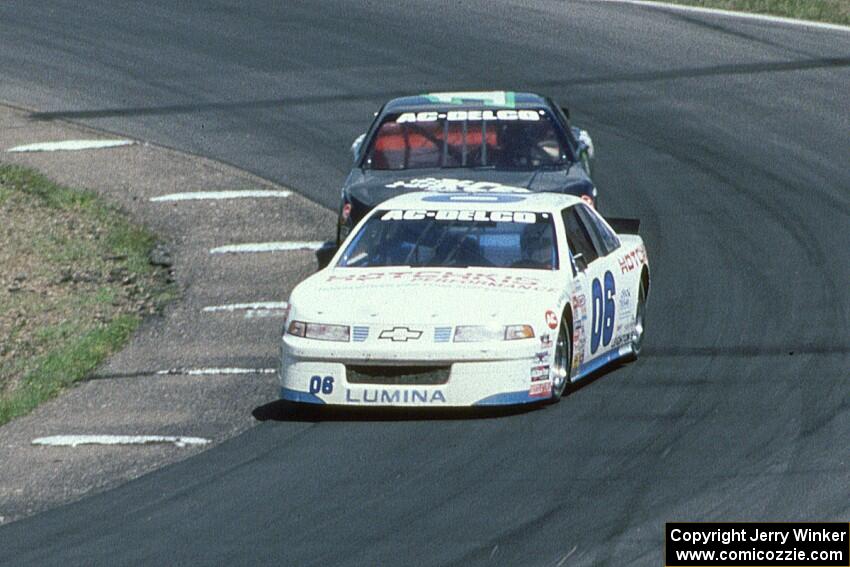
<point x="563" y="361"/>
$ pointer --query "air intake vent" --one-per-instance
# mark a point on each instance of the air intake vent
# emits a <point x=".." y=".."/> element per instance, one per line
<point x="442" y="334"/>
<point x="397" y="375"/>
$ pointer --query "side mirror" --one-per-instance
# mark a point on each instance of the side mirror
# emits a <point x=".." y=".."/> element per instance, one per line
<point x="585" y="147"/>
<point x="356" y="145"/>
<point x="325" y="254"/>
<point x="578" y="258"/>
<point x="586" y="142"/>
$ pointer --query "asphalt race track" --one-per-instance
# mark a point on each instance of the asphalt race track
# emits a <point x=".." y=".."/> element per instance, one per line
<point x="730" y="139"/>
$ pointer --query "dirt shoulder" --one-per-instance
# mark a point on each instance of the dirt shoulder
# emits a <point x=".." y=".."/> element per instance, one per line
<point x="76" y="281"/>
<point x="149" y="388"/>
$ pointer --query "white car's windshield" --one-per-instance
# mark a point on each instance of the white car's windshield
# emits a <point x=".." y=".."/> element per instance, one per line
<point x="454" y="238"/>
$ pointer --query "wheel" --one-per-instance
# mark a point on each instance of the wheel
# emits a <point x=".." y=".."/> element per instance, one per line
<point x="640" y="325"/>
<point x="562" y="363"/>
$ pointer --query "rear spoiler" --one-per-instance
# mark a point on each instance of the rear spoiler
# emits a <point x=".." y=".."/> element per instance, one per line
<point x="624" y="226"/>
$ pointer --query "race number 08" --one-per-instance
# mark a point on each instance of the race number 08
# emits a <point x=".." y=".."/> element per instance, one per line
<point x="602" y="327"/>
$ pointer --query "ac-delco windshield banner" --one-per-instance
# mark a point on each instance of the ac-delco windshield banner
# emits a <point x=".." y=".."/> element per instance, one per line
<point x="757" y="544"/>
<point x="474" y="115"/>
<point x="461" y="216"/>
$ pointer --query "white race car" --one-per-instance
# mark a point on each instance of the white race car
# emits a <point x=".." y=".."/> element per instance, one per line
<point x="466" y="300"/>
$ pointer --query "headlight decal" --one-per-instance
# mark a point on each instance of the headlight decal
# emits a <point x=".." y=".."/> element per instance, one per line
<point x="320" y="331"/>
<point x="479" y="333"/>
<point x="515" y="332"/>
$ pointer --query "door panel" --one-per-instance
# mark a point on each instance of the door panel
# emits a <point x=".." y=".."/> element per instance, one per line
<point x="599" y="280"/>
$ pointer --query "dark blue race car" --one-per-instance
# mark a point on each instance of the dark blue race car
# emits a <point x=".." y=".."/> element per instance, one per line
<point x="466" y="142"/>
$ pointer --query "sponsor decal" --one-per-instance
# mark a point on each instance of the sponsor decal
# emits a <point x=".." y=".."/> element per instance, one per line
<point x="540" y="390"/>
<point x="400" y="334"/>
<point x="634" y="259"/>
<point x="624" y="314"/>
<point x="394" y="396"/>
<point x="546" y="340"/>
<point x="579" y="303"/>
<point x="539" y="373"/>
<point x="551" y="319"/>
<point x="462" y="115"/>
<point x="542" y="356"/>
<point x="447" y="185"/>
<point x="524" y="217"/>
<point x="396" y="279"/>
<point x="621" y="340"/>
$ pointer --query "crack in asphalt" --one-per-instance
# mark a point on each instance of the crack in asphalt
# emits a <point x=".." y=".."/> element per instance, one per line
<point x="378" y="96"/>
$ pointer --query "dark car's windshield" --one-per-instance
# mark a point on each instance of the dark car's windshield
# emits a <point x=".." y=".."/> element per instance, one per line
<point x="501" y="139"/>
<point x="454" y="238"/>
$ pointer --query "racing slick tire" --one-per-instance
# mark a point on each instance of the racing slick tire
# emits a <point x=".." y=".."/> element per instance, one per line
<point x="562" y="362"/>
<point x="640" y="325"/>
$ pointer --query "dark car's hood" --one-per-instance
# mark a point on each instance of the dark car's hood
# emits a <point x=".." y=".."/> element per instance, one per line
<point x="371" y="187"/>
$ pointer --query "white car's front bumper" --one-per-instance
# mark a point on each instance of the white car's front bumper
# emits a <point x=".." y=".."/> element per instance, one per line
<point x="461" y="374"/>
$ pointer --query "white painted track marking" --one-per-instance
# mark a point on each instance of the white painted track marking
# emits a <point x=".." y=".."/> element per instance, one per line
<point x="733" y="14"/>
<point x="213" y="371"/>
<point x="263" y="313"/>
<point x="256" y="306"/>
<point x="220" y="195"/>
<point x="266" y="247"/>
<point x="71" y="145"/>
<point x="75" y="440"/>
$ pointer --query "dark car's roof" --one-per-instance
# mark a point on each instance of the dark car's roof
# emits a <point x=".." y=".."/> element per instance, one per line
<point x="494" y="99"/>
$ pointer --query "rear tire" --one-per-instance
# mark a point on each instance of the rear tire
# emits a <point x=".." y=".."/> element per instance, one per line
<point x="640" y="325"/>
<point x="562" y="362"/>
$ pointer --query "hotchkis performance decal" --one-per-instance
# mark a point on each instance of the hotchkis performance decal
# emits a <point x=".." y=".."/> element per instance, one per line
<point x="462" y="216"/>
<point x="399" y="278"/>
<point x="461" y="115"/>
<point x="455" y="186"/>
<point x="634" y="259"/>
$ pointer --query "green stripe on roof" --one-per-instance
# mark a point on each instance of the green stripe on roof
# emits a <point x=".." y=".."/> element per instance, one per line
<point x="505" y="99"/>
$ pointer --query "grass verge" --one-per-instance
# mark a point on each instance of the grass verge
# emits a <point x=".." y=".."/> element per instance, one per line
<point x="832" y="11"/>
<point x="75" y="282"/>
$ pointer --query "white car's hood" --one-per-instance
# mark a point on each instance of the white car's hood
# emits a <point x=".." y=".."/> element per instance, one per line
<point x="426" y="295"/>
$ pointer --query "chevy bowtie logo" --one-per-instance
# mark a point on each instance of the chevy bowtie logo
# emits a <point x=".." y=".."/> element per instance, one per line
<point x="400" y="334"/>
